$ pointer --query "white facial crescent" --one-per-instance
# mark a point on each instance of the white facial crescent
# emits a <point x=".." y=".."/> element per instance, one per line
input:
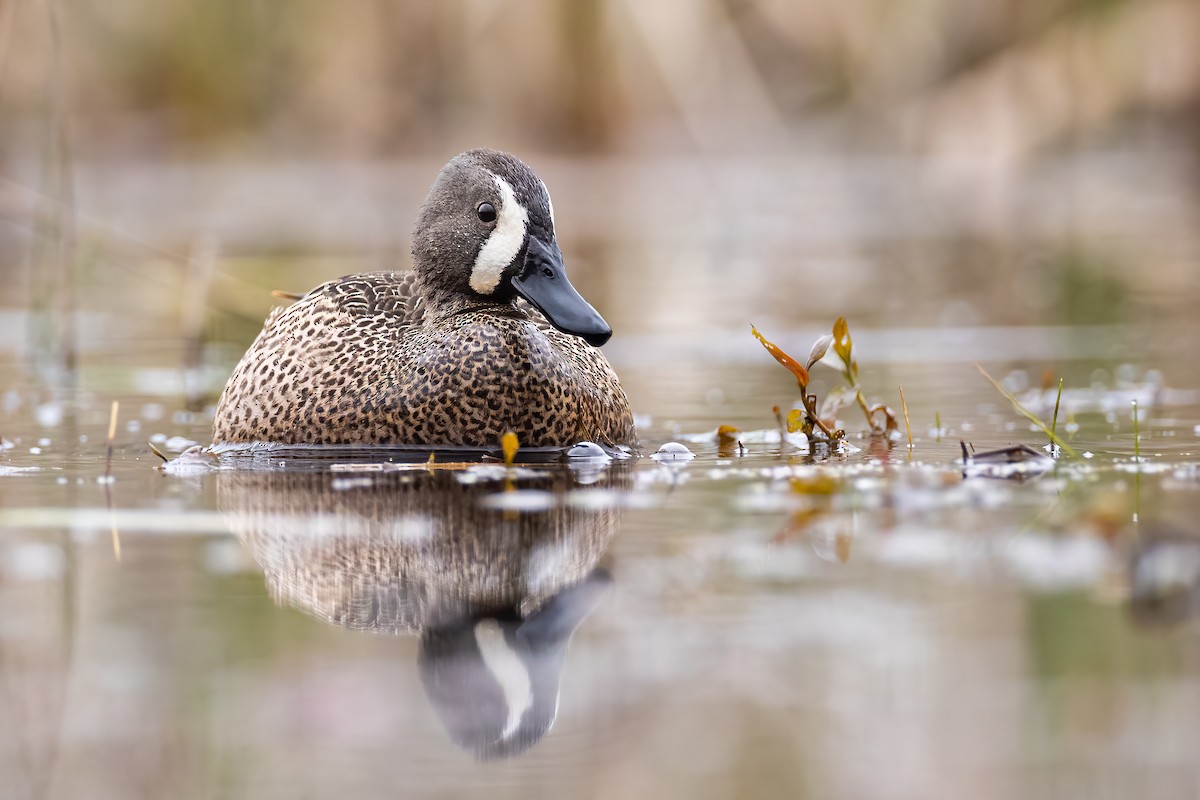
<point x="505" y="241"/>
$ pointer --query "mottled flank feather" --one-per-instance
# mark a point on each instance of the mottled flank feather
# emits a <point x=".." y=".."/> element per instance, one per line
<point x="356" y="361"/>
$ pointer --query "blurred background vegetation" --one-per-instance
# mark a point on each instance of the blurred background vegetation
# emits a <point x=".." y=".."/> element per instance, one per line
<point x="926" y="163"/>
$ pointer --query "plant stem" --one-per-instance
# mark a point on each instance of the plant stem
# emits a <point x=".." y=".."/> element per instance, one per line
<point x="810" y="409"/>
<point x="1054" y="421"/>
<point x="1137" y="439"/>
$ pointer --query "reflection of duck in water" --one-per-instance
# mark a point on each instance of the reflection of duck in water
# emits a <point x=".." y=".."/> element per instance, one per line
<point x="495" y="595"/>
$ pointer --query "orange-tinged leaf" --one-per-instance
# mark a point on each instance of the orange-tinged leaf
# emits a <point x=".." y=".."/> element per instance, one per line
<point x="841" y="339"/>
<point x="726" y="432"/>
<point x="792" y="365"/>
<point x="508" y="442"/>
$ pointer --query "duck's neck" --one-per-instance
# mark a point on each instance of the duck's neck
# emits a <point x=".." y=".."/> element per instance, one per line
<point x="443" y="303"/>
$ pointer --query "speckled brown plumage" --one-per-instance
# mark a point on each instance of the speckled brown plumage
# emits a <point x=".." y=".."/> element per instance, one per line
<point x="419" y="358"/>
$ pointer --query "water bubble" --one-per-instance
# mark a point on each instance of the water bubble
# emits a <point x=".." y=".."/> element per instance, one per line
<point x="49" y="415"/>
<point x="673" y="451"/>
<point x="43" y="442"/>
<point x="588" y="450"/>
<point x="1127" y="374"/>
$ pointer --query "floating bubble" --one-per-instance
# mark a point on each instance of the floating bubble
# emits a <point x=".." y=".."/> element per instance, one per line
<point x="673" y="451"/>
<point x="588" y="451"/>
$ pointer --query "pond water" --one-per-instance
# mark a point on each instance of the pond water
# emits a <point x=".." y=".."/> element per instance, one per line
<point x="758" y="621"/>
<point x="752" y="622"/>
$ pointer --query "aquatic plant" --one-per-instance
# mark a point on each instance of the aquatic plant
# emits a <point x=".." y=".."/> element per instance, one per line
<point x="812" y="418"/>
<point x="808" y="420"/>
<point x="843" y="347"/>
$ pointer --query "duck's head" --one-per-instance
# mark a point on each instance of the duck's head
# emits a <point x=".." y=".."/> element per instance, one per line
<point x="486" y="230"/>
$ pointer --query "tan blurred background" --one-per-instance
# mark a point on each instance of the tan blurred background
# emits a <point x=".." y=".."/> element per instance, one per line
<point x="926" y="164"/>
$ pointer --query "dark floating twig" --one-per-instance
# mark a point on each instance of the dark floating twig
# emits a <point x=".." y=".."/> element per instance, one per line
<point x="1014" y="454"/>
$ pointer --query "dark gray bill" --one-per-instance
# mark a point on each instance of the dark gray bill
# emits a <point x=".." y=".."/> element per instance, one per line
<point x="543" y="282"/>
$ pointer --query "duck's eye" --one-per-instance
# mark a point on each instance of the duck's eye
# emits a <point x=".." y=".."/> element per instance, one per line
<point x="486" y="212"/>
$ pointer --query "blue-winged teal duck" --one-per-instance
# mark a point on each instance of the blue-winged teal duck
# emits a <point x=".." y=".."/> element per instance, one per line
<point x="484" y="336"/>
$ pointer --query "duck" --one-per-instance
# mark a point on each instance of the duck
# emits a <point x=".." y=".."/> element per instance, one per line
<point x="484" y="336"/>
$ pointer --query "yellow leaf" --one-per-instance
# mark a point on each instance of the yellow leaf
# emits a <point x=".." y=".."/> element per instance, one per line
<point x="841" y="339"/>
<point x="508" y="442"/>
<point x="792" y="365"/>
<point x="795" y="420"/>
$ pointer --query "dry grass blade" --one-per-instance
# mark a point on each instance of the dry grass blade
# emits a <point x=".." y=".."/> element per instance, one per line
<point x="907" y="426"/>
<point x="1029" y="415"/>
<point x="112" y="434"/>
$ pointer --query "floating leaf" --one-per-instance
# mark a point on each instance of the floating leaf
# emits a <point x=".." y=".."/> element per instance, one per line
<point x="792" y="365"/>
<point x="727" y="432"/>
<point x="508" y="442"/>
<point x="819" y="349"/>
